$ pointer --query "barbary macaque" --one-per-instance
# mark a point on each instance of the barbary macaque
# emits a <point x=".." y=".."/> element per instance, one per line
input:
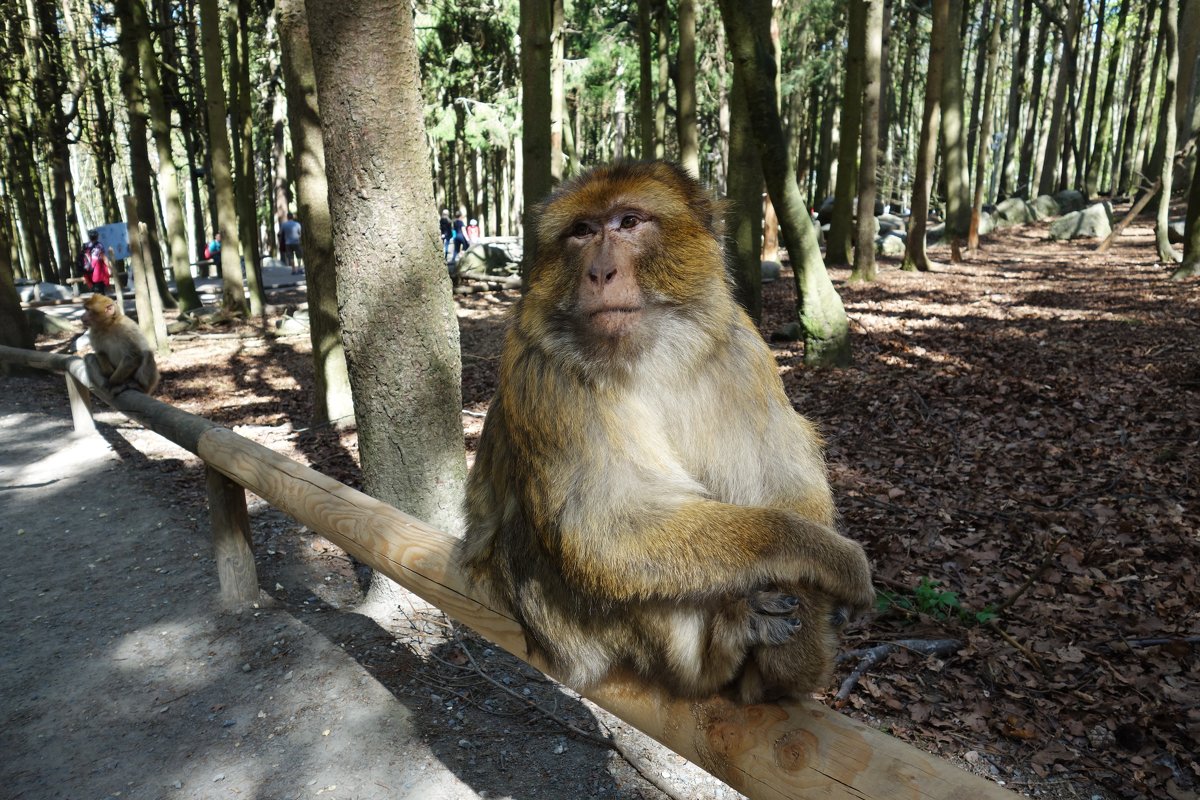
<point x="644" y="495"/>
<point x="121" y="357"/>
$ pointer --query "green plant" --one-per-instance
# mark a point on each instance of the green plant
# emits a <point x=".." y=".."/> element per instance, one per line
<point x="929" y="598"/>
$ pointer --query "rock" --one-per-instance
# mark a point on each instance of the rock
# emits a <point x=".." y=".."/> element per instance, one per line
<point x="1175" y="231"/>
<point x="498" y="256"/>
<point x="1094" y="222"/>
<point x="890" y="247"/>
<point x="1014" y="211"/>
<point x="1070" y="200"/>
<point x="889" y="223"/>
<point x="770" y="271"/>
<point x="43" y="291"/>
<point x="935" y="233"/>
<point x="1045" y="207"/>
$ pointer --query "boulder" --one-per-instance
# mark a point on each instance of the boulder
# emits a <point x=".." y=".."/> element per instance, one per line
<point x="1045" y="207"/>
<point x="934" y="233"/>
<point x="43" y="291"/>
<point x="1070" y="200"/>
<point x="889" y="246"/>
<point x="499" y="257"/>
<point x="1014" y="211"/>
<point x="889" y="223"/>
<point x="987" y="223"/>
<point x="1094" y="222"/>
<point x="1175" y="230"/>
<point x="792" y="332"/>
<point x="770" y="271"/>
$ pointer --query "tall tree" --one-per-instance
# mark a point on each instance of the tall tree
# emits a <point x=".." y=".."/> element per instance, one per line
<point x="1137" y="68"/>
<point x="1025" y="167"/>
<point x="1191" y="231"/>
<point x="685" y="92"/>
<point x="1103" y="140"/>
<point x="820" y="310"/>
<point x="139" y="151"/>
<point x="14" y="330"/>
<point x="168" y="182"/>
<point x="536" y="18"/>
<point x="407" y="389"/>
<point x="915" y="257"/>
<point x="985" y="127"/>
<point x="1167" y="123"/>
<point x="238" y="21"/>
<point x="558" y="37"/>
<point x="233" y="293"/>
<point x="1022" y="11"/>
<point x="744" y="184"/>
<point x="954" y="146"/>
<point x="841" y="225"/>
<point x="1085" y="132"/>
<point x="333" y="402"/>
<point x="645" y="78"/>
<point x="864" y="252"/>
<point x="1059" y="101"/>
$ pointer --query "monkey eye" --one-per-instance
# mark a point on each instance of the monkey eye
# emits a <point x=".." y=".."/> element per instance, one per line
<point x="581" y="230"/>
<point x="629" y="221"/>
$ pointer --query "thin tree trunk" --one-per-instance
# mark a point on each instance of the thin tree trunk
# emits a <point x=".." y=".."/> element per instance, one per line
<point x="977" y="88"/>
<point x="685" y="91"/>
<point x="407" y="389"/>
<point x="864" y="252"/>
<point x="233" y="293"/>
<point x="1191" y="231"/>
<point x="333" y="402"/>
<point x="958" y="207"/>
<point x="14" y="331"/>
<point x="985" y="129"/>
<point x="1022" y="11"/>
<point x="820" y="310"/>
<point x="1170" y="32"/>
<point x="839" y="240"/>
<point x="1103" y="138"/>
<point x="662" y="79"/>
<point x="1085" y="144"/>
<point x="558" y="102"/>
<point x="1137" y="69"/>
<point x="645" y="79"/>
<point x="535" y="114"/>
<point x="1024" y="187"/>
<point x="139" y="152"/>
<point x="744" y="184"/>
<point x="1059" y="101"/>
<point x="160" y="123"/>
<point x="236" y="21"/>
<point x="915" y="256"/>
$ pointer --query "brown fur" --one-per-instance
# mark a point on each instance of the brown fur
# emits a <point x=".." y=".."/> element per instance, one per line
<point x="643" y="492"/>
<point x="121" y="357"/>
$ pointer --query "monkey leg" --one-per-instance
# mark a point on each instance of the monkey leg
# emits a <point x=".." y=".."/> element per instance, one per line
<point x="801" y="664"/>
<point x="98" y="369"/>
<point x="146" y="375"/>
<point x="123" y="370"/>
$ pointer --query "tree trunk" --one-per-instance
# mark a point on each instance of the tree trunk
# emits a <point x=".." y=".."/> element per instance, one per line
<point x="915" y="257"/>
<point x="958" y="207"/>
<point x="233" y="293"/>
<point x="280" y="184"/>
<point x="402" y="345"/>
<point x="14" y="331"/>
<point x="333" y="402"/>
<point x="1085" y="143"/>
<point x="985" y="129"/>
<point x="841" y="225"/>
<point x="820" y="310"/>
<point x="558" y="100"/>
<point x="1103" y="141"/>
<point x="645" y="79"/>
<point x="1022" y="11"/>
<point x="1170" y="33"/>
<point x="662" y="78"/>
<point x="535" y="115"/>
<point x="1191" y="231"/>
<point x="160" y="123"/>
<point x="139" y="152"/>
<point x="236" y="21"/>
<point x="685" y="90"/>
<point x="864" y="251"/>
<point x="1137" y="68"/>
<point x="1024" y="187"/>
<point x="977" y="89"/>
<point x="1048" y="182"/>
<point x="744" y="184"/>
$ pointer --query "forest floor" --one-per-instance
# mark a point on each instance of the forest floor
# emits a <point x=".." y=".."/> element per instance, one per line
<point x="1016" y="445"/>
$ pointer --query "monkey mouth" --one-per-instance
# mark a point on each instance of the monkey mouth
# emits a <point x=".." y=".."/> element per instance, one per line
<point x="615" y="321"/>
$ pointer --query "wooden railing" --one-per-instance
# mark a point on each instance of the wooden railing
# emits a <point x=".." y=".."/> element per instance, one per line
<point x="785" y="750"/>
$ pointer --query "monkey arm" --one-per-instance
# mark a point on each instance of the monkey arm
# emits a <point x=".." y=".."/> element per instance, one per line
<point x="703" y="548"/>
<point x="124" y="368"/>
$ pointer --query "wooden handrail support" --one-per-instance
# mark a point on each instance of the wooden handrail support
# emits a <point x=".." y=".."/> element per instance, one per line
<point x="785" y="750"/>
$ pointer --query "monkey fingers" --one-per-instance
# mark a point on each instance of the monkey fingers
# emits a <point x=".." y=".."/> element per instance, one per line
<point x="773" y="618"/>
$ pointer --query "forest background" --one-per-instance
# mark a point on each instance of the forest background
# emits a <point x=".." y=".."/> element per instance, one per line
<point x="207" y="114"/>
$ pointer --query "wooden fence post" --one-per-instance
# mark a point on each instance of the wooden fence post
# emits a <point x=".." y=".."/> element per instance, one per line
<point x="231" y="539"/>
<point x="81" y="405"/>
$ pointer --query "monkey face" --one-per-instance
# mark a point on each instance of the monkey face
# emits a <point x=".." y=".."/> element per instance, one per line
<point x="97" y="308"/>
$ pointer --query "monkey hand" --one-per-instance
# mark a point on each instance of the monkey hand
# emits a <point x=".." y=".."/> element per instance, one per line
<point x="834" y="565"/>
<point x="774" y="617"/>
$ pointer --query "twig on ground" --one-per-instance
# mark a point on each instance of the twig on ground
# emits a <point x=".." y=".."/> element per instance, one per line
<point x="1025" y="651"/>
<point x="1007" y="602"/>
<point x="870" y="656"/>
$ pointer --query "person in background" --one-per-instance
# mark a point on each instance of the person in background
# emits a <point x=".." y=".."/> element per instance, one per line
<point x="447" y="231"/>
<point x="289" y="231"/>
<point x="460" y="235"/>
<point x="96" y="272"/>
<point x="473" y="231"/>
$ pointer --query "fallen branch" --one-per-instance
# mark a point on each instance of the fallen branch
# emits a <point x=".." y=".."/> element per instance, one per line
<point x="870" y="656"/>
<point x="1033" y="576"/>
<point x="1158" y="641"/>
<point x="507" y="281"/>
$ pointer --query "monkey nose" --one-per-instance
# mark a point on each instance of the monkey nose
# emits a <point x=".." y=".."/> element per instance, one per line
<point x="601" y="273"/>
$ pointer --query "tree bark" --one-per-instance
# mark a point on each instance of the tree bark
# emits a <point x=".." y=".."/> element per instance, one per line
<point x="744" y="182"/>
<point x="1085" y="143"/>
<point x="662" y="78"/>
<point x="1048" y="182"/>
<point x="820" y="310"/>
<point x="333" y="402"/>
<point x="839" y="239"/>
<point x="915" y="256"/>
<point x="558" y="101"/>
<point x="985" y="129"/>
<point x="864" y="252"/>
<point x="402" y="345"/>
<point x="1170" y="33"/>
<point x="1191" y="231"/>
<point x="1103" y="140"/>
<point x="14" y="331"/>
<point x="1137" y="69"/>
<point x="233" y="293"/>
<point x="236" y="20"/>
<point x="958" y="207"/>
<point x="1022" y="11"/>
<point x="645" y="79"/>
<point x="535" y="115"/>
<point x="685" y="90"/>
<point x="985" y="14"/>
<point x="168" y="181"/>
<point x="1024" y="187"/>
